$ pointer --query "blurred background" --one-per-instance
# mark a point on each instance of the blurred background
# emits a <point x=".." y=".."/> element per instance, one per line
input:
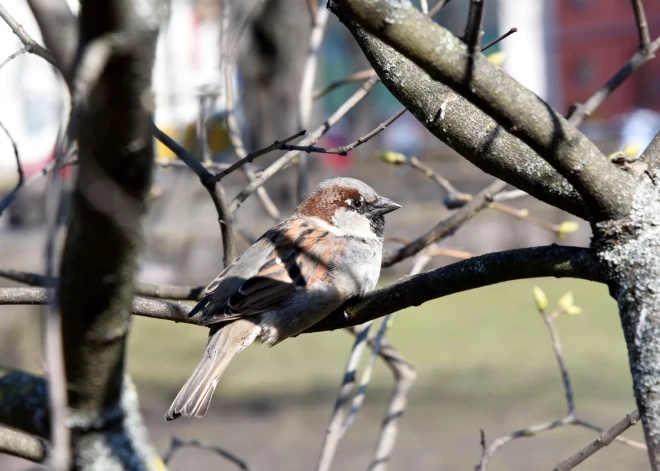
<point x="483" y="357"/>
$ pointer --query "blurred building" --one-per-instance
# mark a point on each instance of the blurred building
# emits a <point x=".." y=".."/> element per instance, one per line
<point x="566" y="49"/>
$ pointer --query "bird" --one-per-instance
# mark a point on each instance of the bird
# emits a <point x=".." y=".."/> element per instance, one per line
<point x="302" y="269"/>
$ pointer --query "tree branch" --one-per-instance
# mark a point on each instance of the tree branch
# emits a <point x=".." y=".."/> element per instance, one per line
<point x="474" y="26"/>
<point x="213" y="188"/>
<point x="483" y="270"/>
<point x="175" y="292"/>
<point x="446" y="226"/>
<point x="59" y="28"/>
<point x="467" y="129"/>
<point x="7" y="200"/>
<point x="605" y="189"/>
<point x="579" y="112"/>
<point x="23" y="446"/>
<point x="312" y="138"/>
<point x="31" y="44"/>
<point x="602" y="441"/>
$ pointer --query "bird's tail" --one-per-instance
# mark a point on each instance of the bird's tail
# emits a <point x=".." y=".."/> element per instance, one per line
<point x="225" y="342"/>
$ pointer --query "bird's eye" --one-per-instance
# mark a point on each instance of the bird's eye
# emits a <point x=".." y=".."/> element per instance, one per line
<point x="357" y="203"/>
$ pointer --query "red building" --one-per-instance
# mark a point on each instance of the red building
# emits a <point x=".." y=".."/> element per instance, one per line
<point x="594" y="39"/>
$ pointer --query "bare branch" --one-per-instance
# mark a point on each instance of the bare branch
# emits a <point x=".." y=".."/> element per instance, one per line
<point x="7" y="200"/>
<point x="182" y="293"/>
<point x="232" y="123"/>
<point x="570" y="418"/>
<point x="23" y="446"/>
<point x="249" y="158"/>
<point x="642" y="25"/>
<point x="475" y="26"/>
<point x="501" y="38"/>
<point x="601" y="442"/>
<point x="59" y="28"/>
<point x="347" y="148"/>
<point x="355" y="77"/>
<point x="31" y="44"/>
<point x="579" y="112"/>
<point x="333" y="433"/>
<point x="446" y="226"/>
<point x="312" y="138"/>
<point x="22" y="50"/>
<point x="212" y="187"/>
<point x="305" y="100"/>
<point x="482" y="270"/>
<point x="178" y="443"/>
<point x="405" y="376"/>
<point x="437" y="7"/>
<point x="606" y="190"/>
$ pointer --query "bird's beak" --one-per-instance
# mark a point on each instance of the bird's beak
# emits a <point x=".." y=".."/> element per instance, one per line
<point x="384" y="206"/>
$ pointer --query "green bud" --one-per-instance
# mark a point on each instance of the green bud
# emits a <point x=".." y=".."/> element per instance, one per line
<point x="541" y="299"/>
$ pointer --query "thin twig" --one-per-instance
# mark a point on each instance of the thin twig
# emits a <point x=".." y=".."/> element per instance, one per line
<point x="437" y="7"/>
<point x="420" y="263"/>
<point x="22" y="50"/>
<point x="602" y="441"/>
<point x="333" y="432"/>
<point x="249" y="158"/>
<point x="312" y="138"/>
<point x="579" y="112"/>
<point x="501" y="38"/>
<point x="474" y="25"/>
<point x="233" y="128"/>
<point x="446" y="226"/>
<point x="347" y="148"/>
<point x="571" y="417"/>
<point x="524" y="215"/>
<point x="305" y="100"/>
<point x="354" y="77"/>
<point x="174" y="292"/>
<point x="177" y="443"/>
<point x="212" y="187"/>
<point x="31" y="44"/>
<point x="404" y="375"/>
<point x="435" y="177"/>
<point x="642" y="25"/>
<point x="6" y="201"/>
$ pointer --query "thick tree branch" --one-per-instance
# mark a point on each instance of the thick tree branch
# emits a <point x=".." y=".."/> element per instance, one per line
<point x="468" y="130"/>
<point x="484" y="270"/>
<point x="606" y="190"/>
<point x="23" y="446"/>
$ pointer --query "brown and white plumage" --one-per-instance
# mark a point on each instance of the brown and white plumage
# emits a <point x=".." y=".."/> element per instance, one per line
<point x="297" y="273"/>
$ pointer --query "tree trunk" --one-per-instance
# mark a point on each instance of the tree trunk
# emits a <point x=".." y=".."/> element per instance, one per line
<point x="630" y="251"/>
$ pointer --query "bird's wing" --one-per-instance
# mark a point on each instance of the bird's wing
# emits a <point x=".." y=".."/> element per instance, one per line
<point x="299" y="254"/>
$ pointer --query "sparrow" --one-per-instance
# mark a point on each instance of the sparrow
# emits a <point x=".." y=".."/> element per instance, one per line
<point x="296" y="274"/>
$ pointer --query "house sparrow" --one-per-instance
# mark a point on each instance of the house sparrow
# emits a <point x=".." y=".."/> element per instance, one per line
<point x="297" y="273"/>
